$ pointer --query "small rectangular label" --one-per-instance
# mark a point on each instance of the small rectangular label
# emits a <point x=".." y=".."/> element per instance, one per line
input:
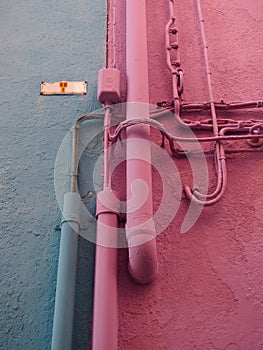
<point x="64" y="88"/>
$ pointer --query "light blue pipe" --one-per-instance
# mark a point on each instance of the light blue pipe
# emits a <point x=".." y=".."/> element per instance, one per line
<point x="66" y="276"/>
<point x="70" y="228"/>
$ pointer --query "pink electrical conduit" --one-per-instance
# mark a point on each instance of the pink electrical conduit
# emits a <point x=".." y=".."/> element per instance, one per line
<point x="105" y="308"/>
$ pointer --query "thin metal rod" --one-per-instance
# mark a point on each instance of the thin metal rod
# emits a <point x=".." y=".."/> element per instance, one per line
<point x="192" y="195"/>
<point x="107" y="160"/>
<point x="74" y="173"/>
<point x="75" y="148"/>
<point x="114" y="33"/>
<point x="207" y="68"/>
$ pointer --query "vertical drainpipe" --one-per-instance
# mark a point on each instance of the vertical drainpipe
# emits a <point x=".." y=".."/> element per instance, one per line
<point x="142" y="257"/>
<point x="66" y="275"/>
<point x="105" y="306"/>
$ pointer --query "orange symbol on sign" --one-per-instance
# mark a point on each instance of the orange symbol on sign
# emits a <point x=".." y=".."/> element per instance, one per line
<point x="63" y="86"/>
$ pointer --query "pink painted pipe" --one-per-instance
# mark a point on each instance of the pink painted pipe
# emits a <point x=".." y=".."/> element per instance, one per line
<point x="139" y="227"/>
<point x="105" y="309"/>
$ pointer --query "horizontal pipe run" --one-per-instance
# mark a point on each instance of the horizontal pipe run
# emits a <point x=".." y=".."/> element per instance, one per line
<point x="126" y="124"/>
<point x="221" y="105"/>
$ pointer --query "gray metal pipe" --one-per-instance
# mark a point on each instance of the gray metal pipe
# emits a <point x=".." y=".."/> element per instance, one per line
<point x="67" y="264"/>
<point x="66" y="276"/>
<point x="68" y="253"/>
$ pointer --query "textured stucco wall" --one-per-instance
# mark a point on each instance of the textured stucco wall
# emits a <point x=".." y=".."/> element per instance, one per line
<point x="209" y="291"/>
<point x="50" y="41"/>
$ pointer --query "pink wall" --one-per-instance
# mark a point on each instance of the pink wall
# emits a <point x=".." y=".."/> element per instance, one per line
<point x="209" y="291"/>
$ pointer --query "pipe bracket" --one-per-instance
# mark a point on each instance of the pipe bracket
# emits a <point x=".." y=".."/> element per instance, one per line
<point x="108" y="202"/>
<point x="71" y="210"/>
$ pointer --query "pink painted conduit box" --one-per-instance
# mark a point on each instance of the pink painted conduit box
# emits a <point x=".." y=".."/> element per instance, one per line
<point x="109" y="85"/>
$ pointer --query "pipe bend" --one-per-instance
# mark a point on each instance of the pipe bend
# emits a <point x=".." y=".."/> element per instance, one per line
<point x="143" y="262"/>
<point x="140" y="230"/>
<point x="143" y="265"/>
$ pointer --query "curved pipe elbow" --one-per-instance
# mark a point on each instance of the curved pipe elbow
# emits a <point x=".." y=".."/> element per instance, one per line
<point x="191" y="196"/>
<point x="143" y="262"/>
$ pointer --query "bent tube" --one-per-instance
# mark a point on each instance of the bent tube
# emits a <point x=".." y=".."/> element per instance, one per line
<point x="221" y="164"/>
<point x="142" y="257"/>
<point x="191" y="195"/>
<point x="222" y="174"/>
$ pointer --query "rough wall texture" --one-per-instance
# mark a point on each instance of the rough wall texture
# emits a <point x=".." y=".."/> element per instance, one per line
<point x="209" y="291"/>
<point x="41" y="41"/>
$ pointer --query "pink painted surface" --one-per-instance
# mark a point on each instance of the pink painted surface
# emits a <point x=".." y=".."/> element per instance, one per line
<point x="209" y="291"/>
<point x="105" y="308"/>
<point x="143" y="263"/>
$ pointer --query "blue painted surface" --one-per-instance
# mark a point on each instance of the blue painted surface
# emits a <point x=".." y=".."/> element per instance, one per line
<point x="41" y="41"/>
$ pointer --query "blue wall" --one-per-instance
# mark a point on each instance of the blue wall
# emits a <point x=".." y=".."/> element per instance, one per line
<point x="41" y="41"/>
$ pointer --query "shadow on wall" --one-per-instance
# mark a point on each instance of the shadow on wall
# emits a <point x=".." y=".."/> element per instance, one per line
<point x="83" y="295"/>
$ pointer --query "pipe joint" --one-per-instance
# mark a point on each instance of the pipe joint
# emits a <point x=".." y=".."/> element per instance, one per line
<point x="108" y="202"/>
<point x="71" y="210"/>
